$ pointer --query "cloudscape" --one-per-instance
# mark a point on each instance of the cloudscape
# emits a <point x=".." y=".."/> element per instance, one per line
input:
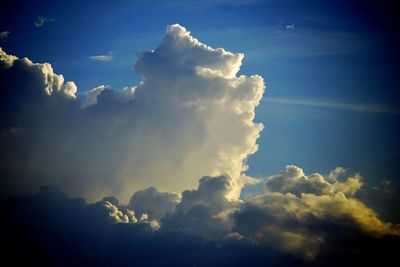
<point x="185" y="159"/>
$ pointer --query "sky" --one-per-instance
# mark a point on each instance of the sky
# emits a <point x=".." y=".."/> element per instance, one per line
<point x="288" y="109"/>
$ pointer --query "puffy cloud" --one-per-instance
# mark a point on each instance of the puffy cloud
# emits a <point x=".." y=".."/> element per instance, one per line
<point x="190" y="116"/>
<point x="154" y="203"/>
<point x="118" y="215"/>
<point x="91" y="95"/>
<point x="41" y="75"/>
<point x="335" y="173"/>
<point x="205" y="211"/>
<point x="303" y="214"/>
<point x="293" y="180"/>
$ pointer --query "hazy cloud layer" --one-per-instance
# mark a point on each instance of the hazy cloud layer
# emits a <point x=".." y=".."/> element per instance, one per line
<point x="190" y="116"/>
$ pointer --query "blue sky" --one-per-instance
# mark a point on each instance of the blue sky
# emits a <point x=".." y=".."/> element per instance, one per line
<point x="329" y="66"/>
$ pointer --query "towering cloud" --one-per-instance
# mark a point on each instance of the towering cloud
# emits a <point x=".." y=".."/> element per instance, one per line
<point x="190" y="116"/>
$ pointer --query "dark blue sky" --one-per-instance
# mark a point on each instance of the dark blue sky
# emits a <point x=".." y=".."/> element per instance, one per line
<point x="331" y="67"/>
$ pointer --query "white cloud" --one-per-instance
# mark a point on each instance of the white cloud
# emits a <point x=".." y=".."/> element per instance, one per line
<point x="190" y="116"/>
<point x="293" y="180"/>
<point x="290" y="27"/>
<point x="118" y="215"/>
<point x="41" y="21"/>
<point x="91" y="95"/>
<point x="104" y="58"/>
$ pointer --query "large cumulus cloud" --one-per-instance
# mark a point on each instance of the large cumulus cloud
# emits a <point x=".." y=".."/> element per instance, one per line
<point x="190" y="116"/>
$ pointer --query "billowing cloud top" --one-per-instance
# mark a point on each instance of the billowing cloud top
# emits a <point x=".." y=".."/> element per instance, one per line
<point x="190" y="116"/>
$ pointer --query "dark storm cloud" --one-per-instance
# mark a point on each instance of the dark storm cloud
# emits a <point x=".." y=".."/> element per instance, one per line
<point x="49" y="228"/>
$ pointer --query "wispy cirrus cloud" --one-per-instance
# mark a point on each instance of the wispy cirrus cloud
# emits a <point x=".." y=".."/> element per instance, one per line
<point x="104" y="58"/>
<point x="357" y="107"/>
<point x="4" y="35"/>
<point x="41" y="21"/>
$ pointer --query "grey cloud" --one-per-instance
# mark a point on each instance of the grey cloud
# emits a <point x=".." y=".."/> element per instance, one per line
<point x="4" y="35"/>
<point x="49" y="228"/>
<point x="205" y="211"/>
<point x="154" y="203"/>
<point x="205" y="229"/>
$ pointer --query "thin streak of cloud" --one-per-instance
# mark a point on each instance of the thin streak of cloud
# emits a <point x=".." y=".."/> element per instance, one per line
<point x="104" y="58"/>
<point x="358" y="107"/>
<point x="41" y="21"/>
